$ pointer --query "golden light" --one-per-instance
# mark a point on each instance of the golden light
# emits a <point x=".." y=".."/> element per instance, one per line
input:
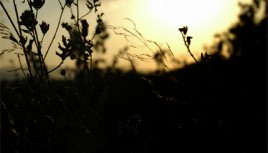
<point x="159" y="20"/>
<point x="182" y="12"/>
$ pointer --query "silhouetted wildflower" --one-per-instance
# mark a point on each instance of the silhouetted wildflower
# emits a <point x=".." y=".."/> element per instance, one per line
<point x="84" y="28"/>
<point x="100" y="24"/>
<point x="184" y="30"/>
<point x="69" y="2"/>
<point x="37" y="4"/>
<point x="28" y="20"/>
<point x="67" y="26"/>
<point x="44" y="27"/>
<point x="189" y="40"/>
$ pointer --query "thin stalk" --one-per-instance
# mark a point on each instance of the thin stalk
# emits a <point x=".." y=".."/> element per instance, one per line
<point x="77" y="9"/>
<point x="84" y="15"/>
<point x="188" y="47"/>
<point x="9" y="18"/>
<point x="29" y="5"/>
<point x="132" y="64"/>
<point x="91" y="62"/>
<point x="77" y="21"/>
<point x="56" y="31"/>
<point x="89" y="70"/>
<point x="40" y="55"/>
<point x="41" y="59"/>
<point x="34" y="63"/>
<point x="36" y="14"/>
<point x="34" y="38"/>
<point x="56" y="67"/>
<point x="21" y="65"/>
<point x="60" y="4"/>
<point x="42" y="39"/>
<point x="23" y="47"/>
<point x="84" y="41"/>
<point x="93" y="37"/>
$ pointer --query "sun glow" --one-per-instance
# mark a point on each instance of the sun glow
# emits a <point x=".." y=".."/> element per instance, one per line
<point x="159" y="20"/>
<point x="156" y="20"/>
<point x="182" y="12"/>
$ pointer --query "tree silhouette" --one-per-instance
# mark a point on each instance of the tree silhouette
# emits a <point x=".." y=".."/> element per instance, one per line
<point x="246" y="70"/>
<point x="246" y="40"/>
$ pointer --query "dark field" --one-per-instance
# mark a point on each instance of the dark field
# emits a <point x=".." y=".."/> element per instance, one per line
<point x="198" y="108"/>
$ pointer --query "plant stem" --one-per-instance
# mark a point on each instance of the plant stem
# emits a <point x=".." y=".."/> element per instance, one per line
<point x="20" y="35"/>
<point x="9" y="18"/>
<point x="188" y="47"/>
<point x="21" y="65"/>
<point x="89" y="70"/>
<point x="84" y="15"/>
<point x="77" y="7"/>
<point x="57" y="28"/>
<point x="39" y="52"/>
<point x="42" y="39"/>
<point x="86" y="69"/>
<point x="41" y="59"/>
<point x="55" y="67"/>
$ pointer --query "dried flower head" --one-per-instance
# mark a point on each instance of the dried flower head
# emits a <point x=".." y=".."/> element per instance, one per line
<point x="37" y="4"/>
<point x="44" y="27"/>
<point x="188" y="39"/>
<point x="69" y="2"/>
<point x="28" y="20"/>
<point x="85" y="26"/>
<point x="184" y="30"/>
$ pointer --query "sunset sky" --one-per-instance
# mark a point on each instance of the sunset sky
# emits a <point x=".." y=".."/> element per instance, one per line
<point x="157" y="20"/>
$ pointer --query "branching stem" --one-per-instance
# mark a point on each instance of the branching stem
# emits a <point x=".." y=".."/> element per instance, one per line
<point x="188" y="47"/>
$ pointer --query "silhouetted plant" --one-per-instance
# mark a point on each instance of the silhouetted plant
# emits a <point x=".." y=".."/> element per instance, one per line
<point x="41" y="114"/>
<point x="80" y="48"/>
<point x="163" y="57"/>
<point x="187" y="40"/>
<point x="137" y="41"/>
<point x="203" y="107"/>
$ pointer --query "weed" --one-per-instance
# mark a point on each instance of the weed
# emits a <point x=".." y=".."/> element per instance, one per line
<point x="30" y="36"/>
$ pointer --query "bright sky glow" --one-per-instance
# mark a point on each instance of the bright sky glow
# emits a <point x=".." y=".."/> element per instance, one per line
<point x="157" y="20"/>
<point x="179" y="12"/>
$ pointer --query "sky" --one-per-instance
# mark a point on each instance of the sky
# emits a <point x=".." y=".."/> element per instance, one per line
<point x="156" y="20"/>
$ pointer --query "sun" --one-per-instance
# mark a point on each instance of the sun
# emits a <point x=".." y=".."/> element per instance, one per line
<point x="183" y="12"/>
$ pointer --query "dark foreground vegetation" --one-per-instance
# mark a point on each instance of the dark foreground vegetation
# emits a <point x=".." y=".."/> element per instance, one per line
<point x="215" y="106"/>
